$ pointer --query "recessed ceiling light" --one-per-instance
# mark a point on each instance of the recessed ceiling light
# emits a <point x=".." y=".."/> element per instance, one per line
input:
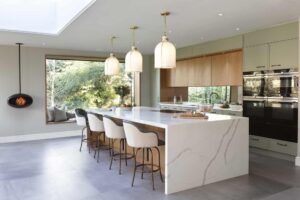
<point x="220" y="14"/>
<point x="237" y="29"/>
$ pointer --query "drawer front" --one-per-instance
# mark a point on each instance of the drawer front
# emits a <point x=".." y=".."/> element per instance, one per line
<point x="164" y="107"/>
<point x="235" y="113"/>
<point x="259" y="142"/>
<point x="283" y="147"/>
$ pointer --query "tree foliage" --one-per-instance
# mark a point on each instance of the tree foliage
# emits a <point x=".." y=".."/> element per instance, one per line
<point x="73" y="84"/>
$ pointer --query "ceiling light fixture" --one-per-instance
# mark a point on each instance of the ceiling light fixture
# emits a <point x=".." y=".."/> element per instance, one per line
<point x="133" y="59"/>
<point x="220" y="14"/>
<point x="237" y="29"/>
<point x="111" y="63"/>
<point x="165" y="51"/>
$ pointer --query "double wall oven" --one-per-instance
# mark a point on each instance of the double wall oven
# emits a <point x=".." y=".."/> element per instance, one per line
<point x="271" y="103"/>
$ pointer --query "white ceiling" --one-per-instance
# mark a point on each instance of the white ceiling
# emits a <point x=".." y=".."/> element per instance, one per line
<point x="191" y="22"/>
<point x="48" y="17"/>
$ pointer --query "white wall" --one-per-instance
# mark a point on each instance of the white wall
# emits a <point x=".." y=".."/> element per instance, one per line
<point x="32" y="120"/>
<point x="298" y="153"/>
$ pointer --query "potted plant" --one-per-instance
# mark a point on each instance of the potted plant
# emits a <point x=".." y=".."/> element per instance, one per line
<point x="122" y="91"/>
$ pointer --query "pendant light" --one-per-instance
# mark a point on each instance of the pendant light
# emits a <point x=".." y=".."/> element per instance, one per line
<point x="133" y="59"/>
<point x="111" y="63"/>
<point x="165" y="51"/>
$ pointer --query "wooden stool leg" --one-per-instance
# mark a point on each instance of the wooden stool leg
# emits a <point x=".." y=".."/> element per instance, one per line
<point x="82" y="138"/>
<point x="112" y="155"/>
<point x="120" y="156"/>
<point x="143" y="163"/>
<point x="124" y="140"/>
<point x="134" y="166"/>
<point x="152" y="173"/>
<point x="98" y="148"/>
<point x="161" y="177"/>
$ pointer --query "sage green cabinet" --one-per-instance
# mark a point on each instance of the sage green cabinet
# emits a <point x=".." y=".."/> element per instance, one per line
<point x="284" y="54"/>
<point x="256" y="58"/>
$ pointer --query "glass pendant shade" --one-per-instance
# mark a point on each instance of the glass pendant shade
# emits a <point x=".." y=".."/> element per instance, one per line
<point x="165" y="54"/>
<point x="111" y="65"/>
<point x="133" y="61"/>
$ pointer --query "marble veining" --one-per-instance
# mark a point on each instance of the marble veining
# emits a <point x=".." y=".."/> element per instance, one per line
<point x="217" y="152"/>
<point x="197" y="152"/>
<point x="230" y="140"/>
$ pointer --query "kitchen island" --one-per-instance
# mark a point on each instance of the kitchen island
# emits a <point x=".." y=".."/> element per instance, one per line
<point x="197" y="152"/>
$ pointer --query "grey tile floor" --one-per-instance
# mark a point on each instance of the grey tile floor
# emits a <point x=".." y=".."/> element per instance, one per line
<point x="56" y="170"/>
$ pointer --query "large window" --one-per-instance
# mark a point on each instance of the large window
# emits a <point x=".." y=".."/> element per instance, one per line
<point x="209" y="94"/>
<point x="79" y="83"/>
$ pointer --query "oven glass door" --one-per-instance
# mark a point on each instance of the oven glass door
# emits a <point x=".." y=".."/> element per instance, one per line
<point x="281" y="120"/>
<point x="253" y="86"/>
<point x="281" y="86"/>
<point x="255" y="111"/>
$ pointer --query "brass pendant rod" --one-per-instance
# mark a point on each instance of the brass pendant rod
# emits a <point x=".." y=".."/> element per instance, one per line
<point x="133" y="28"/>
<point x="165" y="14"/>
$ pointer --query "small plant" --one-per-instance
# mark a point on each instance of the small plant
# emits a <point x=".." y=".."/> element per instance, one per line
<point x="122" y="91"/>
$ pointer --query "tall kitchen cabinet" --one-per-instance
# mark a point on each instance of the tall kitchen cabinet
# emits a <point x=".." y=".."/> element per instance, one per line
<point x="274" y="55"/>
<point x="284" y="54"/>
<point x="256" y="58"/>
<point x="227" y="69"/>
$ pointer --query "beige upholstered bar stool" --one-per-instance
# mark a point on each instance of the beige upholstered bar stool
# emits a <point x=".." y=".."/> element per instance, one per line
<point x="82" y="121"/>
<point x="114" y="131"/>
<point x="141" y="140"/>
<point x="97" y="128"/>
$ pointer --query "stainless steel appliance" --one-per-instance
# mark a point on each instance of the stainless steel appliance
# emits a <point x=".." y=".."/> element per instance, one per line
<point x="253" y="84"/>
<point x="281" y="83"/>
<point x="273" y="113"/>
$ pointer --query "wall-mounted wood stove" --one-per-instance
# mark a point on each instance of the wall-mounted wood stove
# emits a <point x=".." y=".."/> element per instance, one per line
<point x="19" y="100"/>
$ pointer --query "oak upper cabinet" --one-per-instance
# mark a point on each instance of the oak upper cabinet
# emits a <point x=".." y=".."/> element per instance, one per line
<point x="169" y="75"/>
<point x="235" y="68"/>
<point x="181" y="73"/>
<point x="256" y="58"/>
<point x="219" y="71"/>
<point x="227" y="69"/>
<point x="284" y="54"/>
<point x="200" y="72"/>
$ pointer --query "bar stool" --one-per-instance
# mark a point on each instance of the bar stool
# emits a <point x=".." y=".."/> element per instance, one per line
<point x="139" y="139"/>
<point x="96" y="127"/>
<point x="82" y="121"/>
<point x="114" y="131"/>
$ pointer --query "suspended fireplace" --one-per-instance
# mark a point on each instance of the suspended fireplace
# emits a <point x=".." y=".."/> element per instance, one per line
<point x="19" y="100"/>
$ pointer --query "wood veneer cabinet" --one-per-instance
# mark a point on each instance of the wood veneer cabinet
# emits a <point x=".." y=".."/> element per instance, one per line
<point x="235" y="68"/>
<point x="216" y="70"/>
<point x="227" y="69"/>
<point x="219" y="71"/>
<point x="200" y="72"/>
<point x="182" y="73"/>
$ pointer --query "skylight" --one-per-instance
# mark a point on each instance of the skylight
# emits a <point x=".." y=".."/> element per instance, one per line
<point x="40" y="16"/>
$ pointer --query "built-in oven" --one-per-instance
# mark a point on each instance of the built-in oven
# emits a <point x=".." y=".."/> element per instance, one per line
<point x="254" y="84"/>
<point x="281" y="83"/>
<point x="281" y="118"/>
<point x="254" y="109"/>
<point x="271" y="103"/>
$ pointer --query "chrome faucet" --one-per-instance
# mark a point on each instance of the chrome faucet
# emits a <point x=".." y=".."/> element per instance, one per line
<point x="211" y="94"/>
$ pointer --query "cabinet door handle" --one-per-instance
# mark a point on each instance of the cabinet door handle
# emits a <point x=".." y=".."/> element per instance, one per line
<point x="255" y="139"/>
<point x="258" y="67"/>
<point x="276" y="65"/>
<point x="280" y="144"/>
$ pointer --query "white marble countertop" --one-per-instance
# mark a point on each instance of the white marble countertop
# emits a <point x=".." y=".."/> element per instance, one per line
<point x="237" y="108"/>
<point x="152" y="116"/>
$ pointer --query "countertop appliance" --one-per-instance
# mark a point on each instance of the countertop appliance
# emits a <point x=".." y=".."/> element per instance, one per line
<point x="272" y="104"/>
